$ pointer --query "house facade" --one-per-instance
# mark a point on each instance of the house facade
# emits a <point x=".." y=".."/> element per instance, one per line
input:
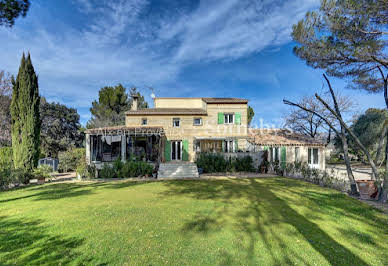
<point x="178" y="129"/>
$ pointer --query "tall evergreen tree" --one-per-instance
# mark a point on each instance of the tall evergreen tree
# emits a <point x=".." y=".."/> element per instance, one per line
<point x="25" y="117"/>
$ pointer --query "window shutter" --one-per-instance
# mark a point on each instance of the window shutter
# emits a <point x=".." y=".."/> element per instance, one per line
<point x="167" y="151"/>
<point x="237" y="118"/>
<point x="220" y="118"/>
<point x="185" y="148"/>
<point x="236" y="145"/>
<point x="283" y="158"/>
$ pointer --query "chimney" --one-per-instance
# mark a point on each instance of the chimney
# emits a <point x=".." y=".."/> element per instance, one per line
<point x="135" y="98"/>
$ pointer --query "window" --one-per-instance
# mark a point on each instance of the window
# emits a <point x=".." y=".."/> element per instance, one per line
<point x="176" y="122"/>
<point x="297" y="152"/>
<point x="197" y="121"/>
<point x="313" y="156"/>
<point x="275" y="154"/>
<point x="228" y="146"/>
<point x="144" y="121"/>
<point x="228" y="118"/>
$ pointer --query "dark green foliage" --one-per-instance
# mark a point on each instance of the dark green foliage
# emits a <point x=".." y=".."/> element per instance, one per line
<point x="60" y="128"/>
<point x="110" y="108"/>
<point x="126" y="170"/>
<point x="25" y="117"/>
<point x="251" y="114"/>
<point x="69" y="160"/>
<point x="212" y="163"/>
<point x="136" y="169"/>
<point x="244" y="164"/>
<point x="215" y="163"/>
<point x="345" y="38"/>
<point x="11" y="9"/>
<point x="107" y="171"/>
<point x="367" y="128"/>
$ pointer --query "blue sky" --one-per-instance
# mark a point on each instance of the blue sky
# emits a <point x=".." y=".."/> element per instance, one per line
<point x="230" y="48"/>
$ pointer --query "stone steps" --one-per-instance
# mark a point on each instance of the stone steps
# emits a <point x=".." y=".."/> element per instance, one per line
<point x="177" y="170"/>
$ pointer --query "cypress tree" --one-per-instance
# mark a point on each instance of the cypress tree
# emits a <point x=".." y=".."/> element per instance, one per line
<point x="25" y="117"/>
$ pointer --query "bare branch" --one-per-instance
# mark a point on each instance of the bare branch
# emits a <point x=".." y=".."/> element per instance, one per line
<point x="351" y="133"/>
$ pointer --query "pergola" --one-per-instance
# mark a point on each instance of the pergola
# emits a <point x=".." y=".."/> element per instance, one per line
<point x="106" y="144"/>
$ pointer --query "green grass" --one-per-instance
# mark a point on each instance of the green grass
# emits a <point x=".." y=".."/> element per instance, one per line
<point x="273" y="221"/>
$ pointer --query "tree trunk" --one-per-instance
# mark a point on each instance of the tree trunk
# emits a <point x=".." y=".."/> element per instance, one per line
<point x="353" y="186"/>
<point x="384" y="190"/>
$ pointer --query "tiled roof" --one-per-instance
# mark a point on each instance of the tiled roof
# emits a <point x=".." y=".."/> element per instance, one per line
<point x="124" y="129"/>
<point x="281" y="137"/>
<point x="211" y="99"/>
<point x="224" y="100"/>
<point x="168" y="111"/>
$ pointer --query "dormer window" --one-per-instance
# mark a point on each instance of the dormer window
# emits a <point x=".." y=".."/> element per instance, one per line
<point x="144" y="121"/>
<point x="228" y="118"/>
<point x="176" y="122"/>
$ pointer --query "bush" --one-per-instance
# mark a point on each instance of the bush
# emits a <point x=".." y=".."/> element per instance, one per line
<point x="43" y="172"/>
<point x="136" y="168"/>
<point x="107" y="171"/>
<point x="244" y="164"/>
<point x="213" y="163"/>
<point x="6" y="161"/>
<point x="71" y="159"/>
<point x="124" y="170"/>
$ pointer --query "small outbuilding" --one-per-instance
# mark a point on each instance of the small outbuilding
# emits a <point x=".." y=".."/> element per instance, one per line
<point x="52" y="162"/>
<point x="285" y="146"/>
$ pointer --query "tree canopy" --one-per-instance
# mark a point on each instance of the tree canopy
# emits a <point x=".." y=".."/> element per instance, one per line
<point x="112" y="103"/>
<point x="25" y="117"/>
<point x="251" y="114"/>
<point x="12" y="9"/>
<point x="347" y="39"/>
<point x="60" y="128"/>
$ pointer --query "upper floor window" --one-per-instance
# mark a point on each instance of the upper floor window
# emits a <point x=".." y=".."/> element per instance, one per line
<point x="228" y="118"/>
<point x="176" y="122"/>
<point x="197" y="121"/>
<point x="144" y="121"/>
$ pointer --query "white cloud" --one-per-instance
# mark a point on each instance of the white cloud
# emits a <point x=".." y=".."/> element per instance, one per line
<point x="121" y="42"/>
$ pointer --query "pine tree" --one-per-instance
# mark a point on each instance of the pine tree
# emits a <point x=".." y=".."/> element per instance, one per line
<point x="25" y="117"/>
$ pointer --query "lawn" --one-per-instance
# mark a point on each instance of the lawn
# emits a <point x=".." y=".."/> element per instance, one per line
<point x="233" y="221"/>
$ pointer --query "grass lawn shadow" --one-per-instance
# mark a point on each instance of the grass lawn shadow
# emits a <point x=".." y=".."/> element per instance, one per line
<point x="28" y="243"/>
<point x="264" y="207"/>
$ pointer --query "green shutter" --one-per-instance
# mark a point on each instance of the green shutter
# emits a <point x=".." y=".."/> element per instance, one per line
<point x="283" y="157"/>
<point x="167" y="151"/>
<point x="237" y="118"/>
<point x="185" y="152"/>
<point x="220" y="118"/>
<point x="236" y="145"/>
<point x="223" y="146"/>
<point x="265" y="148"/>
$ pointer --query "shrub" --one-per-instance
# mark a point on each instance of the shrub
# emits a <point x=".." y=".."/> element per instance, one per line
<point x="43" y="172"/>
<point x="135" y="169"/>
<point x="107" y="171"/>
<point x="244" y="164"/>
<point x="71" y="159"/>
<point x="6" y="161"/>
<point x="117" y="166"/>
<point x="213" y="163"/>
